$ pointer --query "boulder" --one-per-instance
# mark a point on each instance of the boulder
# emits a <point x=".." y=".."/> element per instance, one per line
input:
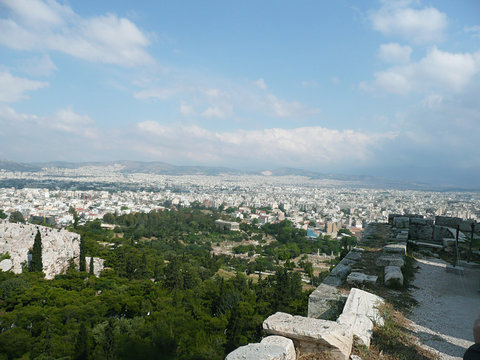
<point x="393" y="276"/>
<point x="271" y="348"/>
<point x="361" y="278"/>
<point x="6" y="265"/>
<point x="312" y="335"/>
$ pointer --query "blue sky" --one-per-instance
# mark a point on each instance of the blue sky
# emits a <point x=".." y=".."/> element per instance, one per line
<point x="385" y="88"/>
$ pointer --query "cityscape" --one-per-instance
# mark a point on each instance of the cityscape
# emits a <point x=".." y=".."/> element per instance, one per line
<point x="307" y="203"/>
<point x="239" y="180"/>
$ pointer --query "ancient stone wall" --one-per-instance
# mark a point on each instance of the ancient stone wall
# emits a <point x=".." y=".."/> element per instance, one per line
<point x="453" y="222"/>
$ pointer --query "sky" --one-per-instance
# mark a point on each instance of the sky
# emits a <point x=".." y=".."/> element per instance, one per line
<point x="382" y="88"/>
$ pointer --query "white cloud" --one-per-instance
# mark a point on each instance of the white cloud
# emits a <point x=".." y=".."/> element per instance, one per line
<point x="38" y="66"/>
<point x="417" y="25"/>
<point x="287" y="147"/>
<point x="157" y="93"/>
<point x="473" y="30"/>
<point x="286" y="109"/>
<point x="40" y="25"/>
<point x="261" y="84"/>
<point x="66" y="120"/>
<point x="187" y="110"/>
<point x="437" y="70"/>
<point x="394" y="53"/>
<point x="309" y="83"/>
<point x="432" y="101"/>
<point x="13" y="88"/>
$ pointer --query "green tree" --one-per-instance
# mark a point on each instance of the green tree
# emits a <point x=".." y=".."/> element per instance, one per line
<point x="16" y="217"/>
<point x="36" y="264"/>
<point x="81" y="346"/>
<point x="82" y="262"/>
<point x="90" y="270"/>
<point x="76" y="218"/>
<point x="2" y="214"/>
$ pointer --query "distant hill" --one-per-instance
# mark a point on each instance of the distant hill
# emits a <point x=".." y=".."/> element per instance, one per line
<point x="159" y="167"/>
<point x="14" y="166"/>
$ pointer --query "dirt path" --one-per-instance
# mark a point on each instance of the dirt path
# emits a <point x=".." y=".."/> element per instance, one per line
<point x="447" y="306"/>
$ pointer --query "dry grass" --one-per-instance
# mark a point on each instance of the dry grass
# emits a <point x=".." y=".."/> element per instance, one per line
<point x="394" y="340"/>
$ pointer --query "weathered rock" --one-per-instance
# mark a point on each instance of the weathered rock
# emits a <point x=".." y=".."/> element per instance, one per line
<point x="360" y="313"/>
<point x="361" y="278"/>
<point x="59" y="247"/>
<point x="355" y="357"/>
<point x="325" y="301"/>
<point x="98" y="265"/>
<point x="400" y="248"/>
<point x="312" y="335"/>
<point x="283" y="342"/>
<point x="390" y="260"/>
<point x="271" y="348"/>
<point x="354" y="255"/>
<point x="341" y="271"/>
<point x="6" y="265"/>
<point x="364" y="303"/>
<point x="393" y="276"/>
<point x="362" y="327"/>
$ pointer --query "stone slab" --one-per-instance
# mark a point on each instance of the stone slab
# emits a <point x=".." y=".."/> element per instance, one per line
<point x="393" y="276"/>
<point x="400" y="248"/>
<point x="361" y="278"/>
<point x="341" y="271"/>
<point x="312" y="335"/>
<point x="354" y="255"/>
<point x="324" y="302"/>
<point x="270" y="348"/>
<point x="390" y="260"/>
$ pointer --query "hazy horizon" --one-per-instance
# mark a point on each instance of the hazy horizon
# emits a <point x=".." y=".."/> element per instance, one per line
<point x="380" y="88"/>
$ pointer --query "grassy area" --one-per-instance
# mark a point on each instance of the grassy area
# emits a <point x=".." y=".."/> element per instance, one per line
<point x="394" y="340"/>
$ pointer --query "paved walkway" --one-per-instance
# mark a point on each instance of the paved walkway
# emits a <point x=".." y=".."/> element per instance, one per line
<point x="447" y="306"/>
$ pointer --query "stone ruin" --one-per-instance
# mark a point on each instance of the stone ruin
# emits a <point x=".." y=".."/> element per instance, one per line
<point x="323" y="331"/>
<point x="59" y="248"/>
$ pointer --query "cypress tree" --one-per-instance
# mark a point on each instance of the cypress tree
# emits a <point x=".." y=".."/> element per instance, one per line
<point x="83" y="262"/>
<point x="36" y="263"/>
<point x="90" y="270"/>
<point x="81" y="349"/>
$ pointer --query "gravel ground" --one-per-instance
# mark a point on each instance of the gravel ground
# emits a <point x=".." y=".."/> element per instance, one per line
<point x="447" y="306"/>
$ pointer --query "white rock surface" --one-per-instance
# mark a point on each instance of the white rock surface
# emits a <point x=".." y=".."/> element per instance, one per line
<point x="58" y="246"/>
<point x="271" y="348"/>
<point x="6" y="265"/>
<point x="98" y="265"/>
<point x="393" y="276"/>
<point x="360" y="313"/>
<point x="312" y="335"/>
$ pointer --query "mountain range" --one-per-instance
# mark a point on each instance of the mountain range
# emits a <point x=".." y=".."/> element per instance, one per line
<point x="158" y="167"/>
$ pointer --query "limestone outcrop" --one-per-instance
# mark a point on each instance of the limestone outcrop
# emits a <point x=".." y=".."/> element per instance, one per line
<point x="59" y="247"/>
